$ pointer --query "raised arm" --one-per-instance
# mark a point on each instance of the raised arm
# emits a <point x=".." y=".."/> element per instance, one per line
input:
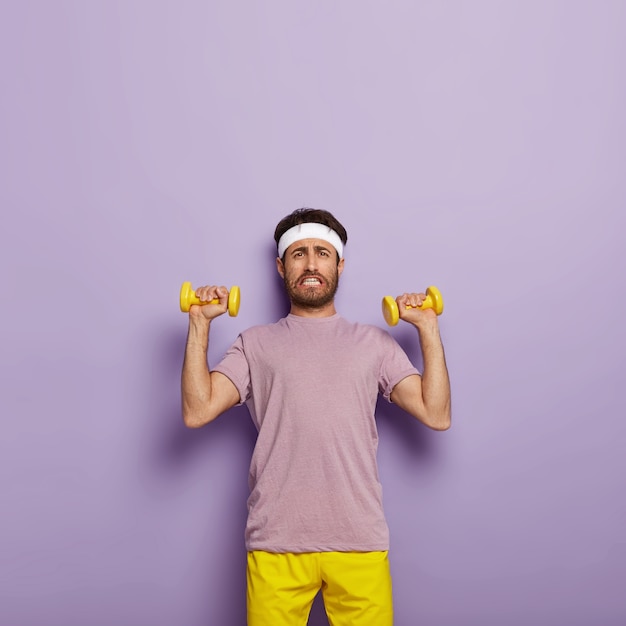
<point x="205" y="394"/>
<point x="426" y="397"/>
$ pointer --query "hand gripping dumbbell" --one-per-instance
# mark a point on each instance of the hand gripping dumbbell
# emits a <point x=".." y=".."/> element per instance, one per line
<point x="188" y="297"/>
<point x="433" y="300"/>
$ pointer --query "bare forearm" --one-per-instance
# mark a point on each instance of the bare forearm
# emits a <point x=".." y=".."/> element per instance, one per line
<point x="196" y="378"/>
<point x="435" y="378"/>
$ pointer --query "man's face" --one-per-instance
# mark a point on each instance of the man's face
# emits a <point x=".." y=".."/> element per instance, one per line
<point x="310" y="272"/>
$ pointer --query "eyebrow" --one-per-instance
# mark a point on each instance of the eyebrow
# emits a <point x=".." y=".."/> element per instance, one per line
<point x="305" y="248"/>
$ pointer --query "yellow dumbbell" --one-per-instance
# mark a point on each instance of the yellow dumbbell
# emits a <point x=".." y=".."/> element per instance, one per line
<point x="433" y="300"/>
<point x="188" y="297"/>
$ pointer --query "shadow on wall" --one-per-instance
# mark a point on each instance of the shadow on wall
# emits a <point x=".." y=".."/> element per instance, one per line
<point x="398" y="429"/>
<point x="214" y="462"/>
<point x="402" y="432"/>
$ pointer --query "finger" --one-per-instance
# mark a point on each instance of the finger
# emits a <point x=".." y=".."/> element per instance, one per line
<point x="412" y="300"/>
<point x="417" y="299"/>
<point x="403" y="300"/>
<point x="202" y="293"/>
<point x="207" y="293"/>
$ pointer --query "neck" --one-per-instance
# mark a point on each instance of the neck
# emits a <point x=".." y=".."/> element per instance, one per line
<point x="324" y="311"/>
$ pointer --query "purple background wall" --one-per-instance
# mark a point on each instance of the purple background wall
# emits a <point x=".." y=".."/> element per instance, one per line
<point x="476" y="146"/>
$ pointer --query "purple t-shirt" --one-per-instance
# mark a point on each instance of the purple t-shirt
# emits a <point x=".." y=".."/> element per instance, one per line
<point x="311" y="386"/>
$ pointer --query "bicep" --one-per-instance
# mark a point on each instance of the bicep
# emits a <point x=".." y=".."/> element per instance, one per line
<point x="224" y="393"/>
<point x="407" y="394"/>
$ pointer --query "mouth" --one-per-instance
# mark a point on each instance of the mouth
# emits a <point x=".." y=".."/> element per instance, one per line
<point x="311" y="281"/>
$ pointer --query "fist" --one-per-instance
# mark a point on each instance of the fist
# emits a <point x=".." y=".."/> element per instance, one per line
<point x="212" y="302"/>
<point x="411" y="309"/>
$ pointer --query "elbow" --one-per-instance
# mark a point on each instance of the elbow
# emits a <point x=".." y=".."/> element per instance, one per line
<point x="441" y="425"/>
<point x="192" y="423"/>
<point x="440" y="420"/>
<point x="197" y="411"/>
<point x="434" y="417"/>
<point x="434" y="421"/>
<point x="194" y="419"/>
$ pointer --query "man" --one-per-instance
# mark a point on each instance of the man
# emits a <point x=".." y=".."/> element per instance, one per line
<point x="310" y="381"/>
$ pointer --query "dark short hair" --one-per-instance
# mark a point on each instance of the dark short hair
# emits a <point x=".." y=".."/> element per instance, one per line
<point x="314" y="216"/>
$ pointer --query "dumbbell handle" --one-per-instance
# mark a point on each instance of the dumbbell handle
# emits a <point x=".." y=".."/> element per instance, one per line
<point x="433" y="300"/>
<point x="188" y="297"/>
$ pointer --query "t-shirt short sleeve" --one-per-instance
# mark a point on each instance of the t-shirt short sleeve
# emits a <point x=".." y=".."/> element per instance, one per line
<point x="395" y="366"/>
<point x="235" y="366"/>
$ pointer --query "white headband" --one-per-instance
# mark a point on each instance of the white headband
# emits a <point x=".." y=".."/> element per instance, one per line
<point x="310" y="230"/>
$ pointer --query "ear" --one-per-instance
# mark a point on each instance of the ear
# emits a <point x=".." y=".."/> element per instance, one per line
<point x="280" y="267"/>
<point x="340" y="266"/>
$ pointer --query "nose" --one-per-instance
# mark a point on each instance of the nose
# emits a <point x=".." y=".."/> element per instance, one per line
<point x="311" y="260"/>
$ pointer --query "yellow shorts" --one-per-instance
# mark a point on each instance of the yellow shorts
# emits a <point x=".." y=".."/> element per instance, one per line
<point x="356" y="588"/>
